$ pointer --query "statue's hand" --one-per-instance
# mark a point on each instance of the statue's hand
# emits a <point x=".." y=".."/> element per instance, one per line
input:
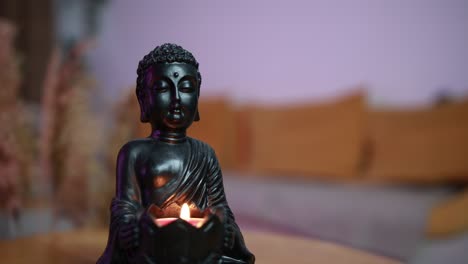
<point x="129" y="234"/>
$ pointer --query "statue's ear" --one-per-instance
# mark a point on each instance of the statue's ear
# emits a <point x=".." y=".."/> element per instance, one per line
<point x="197" y="115"/>
<point x="144" y="115"/>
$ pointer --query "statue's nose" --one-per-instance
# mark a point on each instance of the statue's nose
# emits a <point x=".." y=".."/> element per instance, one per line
<point x="175" y="99"/>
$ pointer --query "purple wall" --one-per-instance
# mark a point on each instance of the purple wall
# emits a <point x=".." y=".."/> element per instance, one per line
<point x="404" y="51"/>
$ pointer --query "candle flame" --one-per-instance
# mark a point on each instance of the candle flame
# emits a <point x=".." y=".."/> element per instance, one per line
<point x="185" y="212"/>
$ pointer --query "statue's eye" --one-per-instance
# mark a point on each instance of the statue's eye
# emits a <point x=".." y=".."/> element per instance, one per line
<point x="186" y="86"/>
<point x="161" y="86"/>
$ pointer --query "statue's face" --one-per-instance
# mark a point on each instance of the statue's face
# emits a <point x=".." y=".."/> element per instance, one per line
<point x="170" y="96"/>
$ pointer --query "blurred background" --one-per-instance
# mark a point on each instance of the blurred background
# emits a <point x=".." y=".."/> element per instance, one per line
<point x="349" y="117"/>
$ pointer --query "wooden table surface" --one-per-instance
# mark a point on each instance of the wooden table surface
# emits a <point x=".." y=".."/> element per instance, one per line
<point x="85" y="246"/>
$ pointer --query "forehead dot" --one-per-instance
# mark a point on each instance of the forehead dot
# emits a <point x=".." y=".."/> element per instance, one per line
<point x="176" y="74"/>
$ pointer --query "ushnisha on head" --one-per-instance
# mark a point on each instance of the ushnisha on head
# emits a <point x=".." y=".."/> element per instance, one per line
<point x="168" y="87"/>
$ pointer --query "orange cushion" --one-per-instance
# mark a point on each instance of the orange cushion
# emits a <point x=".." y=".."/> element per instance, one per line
<point x="420" y="146"/>
<point x="322" y="139"/>
<point x="243" y="137"/>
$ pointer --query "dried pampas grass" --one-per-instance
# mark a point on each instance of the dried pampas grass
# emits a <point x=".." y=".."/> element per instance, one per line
<point x="80" y="141"/>
<point x="17" y="139"/>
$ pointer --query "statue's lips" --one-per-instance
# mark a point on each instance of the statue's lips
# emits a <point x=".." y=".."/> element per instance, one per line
<point x="175" y="116"/>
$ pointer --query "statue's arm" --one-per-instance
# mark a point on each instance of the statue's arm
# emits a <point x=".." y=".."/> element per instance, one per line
<point x="234" y="245"/>
<point x="126" y="184"/>
<point x="126" y="207"/>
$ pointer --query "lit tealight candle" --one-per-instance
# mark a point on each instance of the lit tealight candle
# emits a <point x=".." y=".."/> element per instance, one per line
<point x="184" y="215"/>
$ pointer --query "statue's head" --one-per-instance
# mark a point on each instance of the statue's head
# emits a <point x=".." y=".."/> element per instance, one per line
<point x="168" y="87"/>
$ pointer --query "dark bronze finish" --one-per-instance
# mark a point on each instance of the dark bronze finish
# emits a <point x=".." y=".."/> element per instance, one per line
<point x="168" y="169"/>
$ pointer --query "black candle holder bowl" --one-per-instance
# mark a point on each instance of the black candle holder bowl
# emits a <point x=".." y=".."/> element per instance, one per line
<point x="179" y="241"/>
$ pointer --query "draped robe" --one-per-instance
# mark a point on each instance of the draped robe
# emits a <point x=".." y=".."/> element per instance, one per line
<point x="200" y="184"/>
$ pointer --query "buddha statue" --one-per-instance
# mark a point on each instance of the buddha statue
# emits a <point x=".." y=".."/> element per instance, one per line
<point x="168" y="168"/>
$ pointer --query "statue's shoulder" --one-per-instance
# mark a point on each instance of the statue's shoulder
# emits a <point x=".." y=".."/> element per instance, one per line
<point x="201" y="145"/>
<point x="134" y="147"/>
